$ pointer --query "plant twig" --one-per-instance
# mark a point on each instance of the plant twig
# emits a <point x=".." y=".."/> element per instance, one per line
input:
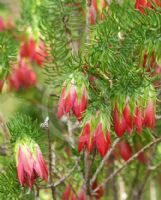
<point x="50" y="163"/>
<point x="99" y="168"/>
<point x="61" y="180"/>
<point x="128" y="162"/>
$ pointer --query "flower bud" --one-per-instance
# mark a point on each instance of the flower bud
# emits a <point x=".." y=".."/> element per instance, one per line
<point x="30" y="163"/>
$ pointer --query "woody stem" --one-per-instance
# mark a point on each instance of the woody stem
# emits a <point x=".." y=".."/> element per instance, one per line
<point x="128" y="162"/>
<point x="88" y="168"/>
<point x="50" y="164"/>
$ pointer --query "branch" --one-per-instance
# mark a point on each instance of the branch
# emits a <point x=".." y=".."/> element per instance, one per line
<point x="99" y="168"/>
<point x="50" y="158"/>
<point x="60" y="181"/>
<point x="128" y="162"/>
<point x="88" y="161"/>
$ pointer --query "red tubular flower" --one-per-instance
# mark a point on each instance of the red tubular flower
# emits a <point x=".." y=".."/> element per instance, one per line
<point x="94" y="135"/>
<point x="138" y="120"/>
<point x="125" y="150"/>
<point x="38" y="54"/>
<point x="40" y="166"/>
<point x="27" y="49"/>
<point x="61" y="103"/>
<point x="119" y="124"/>
<point x="73" y="99"/>
<point x="128" y="118"/>
<point x="102" y="142"/>
<point x="149" y="118"/>
<point x="30" y="165"/>
<point x="85" y="140"/>
<point x="1" y="85"/>
<point x="21" y="77"/>
<point x="141" y="4"/>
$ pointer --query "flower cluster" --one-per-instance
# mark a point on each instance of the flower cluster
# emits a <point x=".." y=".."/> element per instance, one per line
<point x="95" y="134"/>
<point x="142" y="4"/>
<point x="34" y="52"/>
<point x="74" y="97"/>
<point x="136" y="112"/>
<point x="22" y="75"/>
<point x="30" y="163"/>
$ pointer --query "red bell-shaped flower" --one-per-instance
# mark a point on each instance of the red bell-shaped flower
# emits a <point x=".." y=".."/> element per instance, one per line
<point x="149" y="118"/>
<point x="21" y="77"/>
<point x="142" y="4"/>
<point x="73" y="99"/>
<point x="128" y="118"/>
<point x="119" y="122"/>
<point x="138" y="119"/>
<point x="125" y="150"/>
<point x="36" y="53"/>
<point x="30" y="163"/>
<point x="95" y="134"/>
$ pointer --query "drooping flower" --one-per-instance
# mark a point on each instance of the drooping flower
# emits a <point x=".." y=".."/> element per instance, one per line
<point x="35" y="52"/>
<point x="30" y="163"/>
<point x="149" y="118"/>
<point x="123" y="120"/>
<point x="95" y="133"/>
<point x="74" y="98"/>
<point x="128" y="118"/>
<point x="142" y="4"/>
<point x="119" y="122"/>
<point x="125" y="150"/>
<point x="138" y="119"/>
<point x="21" y="76"/>
<point x="135" y="112"/>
